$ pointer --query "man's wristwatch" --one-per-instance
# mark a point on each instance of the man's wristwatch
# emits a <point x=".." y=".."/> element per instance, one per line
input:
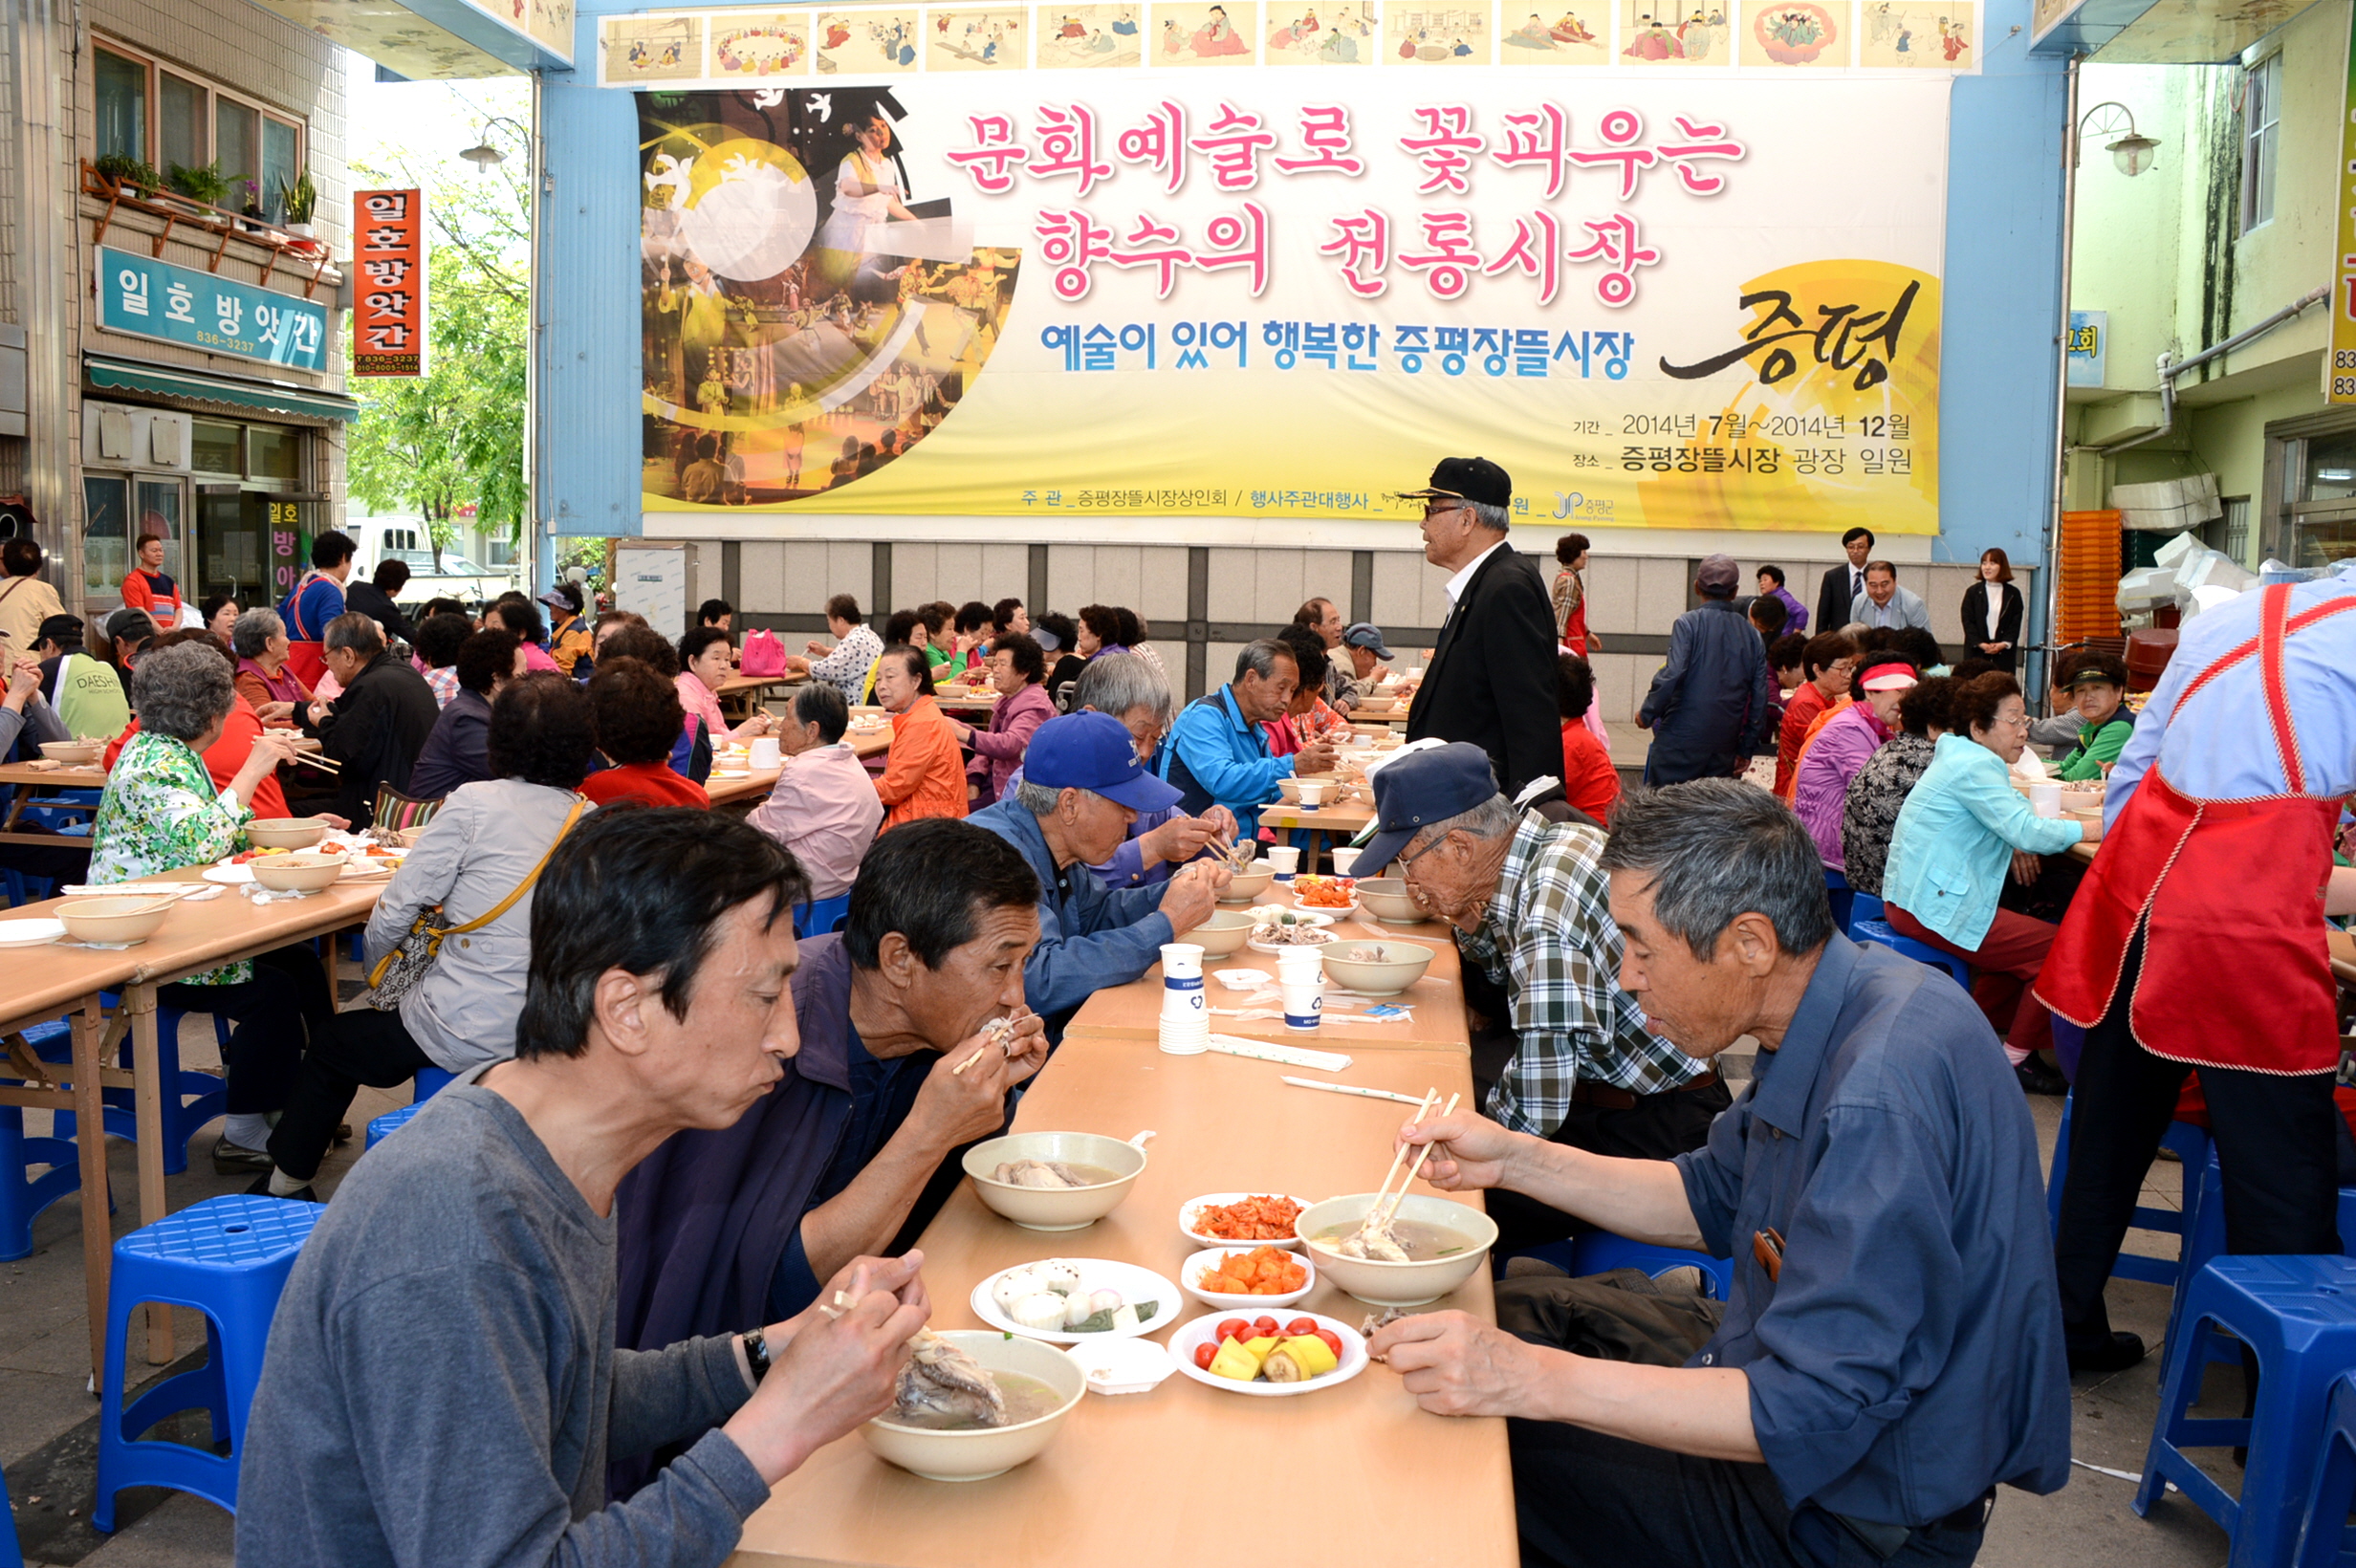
<point x="756" y="1354"/>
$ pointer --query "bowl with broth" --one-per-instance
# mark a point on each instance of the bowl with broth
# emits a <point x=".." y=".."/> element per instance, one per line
<point x="1445" y="1240"/>
<point x="1054" y="1181"/>
<point x="1042" y="1385"/>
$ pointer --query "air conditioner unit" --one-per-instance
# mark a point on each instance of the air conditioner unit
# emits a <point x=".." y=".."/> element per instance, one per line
<point x="119" y="435"/>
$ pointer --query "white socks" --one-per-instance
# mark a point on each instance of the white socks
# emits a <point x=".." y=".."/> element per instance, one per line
<point x="247" y="1130"/>
<point x="283" y="1186"/>
<point x="2016" y="1055"/>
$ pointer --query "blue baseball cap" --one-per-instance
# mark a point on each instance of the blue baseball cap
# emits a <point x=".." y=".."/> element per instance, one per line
<point x="1416" y="790"/>
<point x="1093" y="751"/>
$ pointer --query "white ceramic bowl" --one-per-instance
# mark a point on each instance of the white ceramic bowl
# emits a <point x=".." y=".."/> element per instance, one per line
<point x="1055" y="1209"/>
<point x="295" y="873"/>
<point x="285" y="832"/>
<point x="1221" y="934"/>
<point x="986" y="1451"/>
<point x="1205" y="1330"/>
<point x="78" y="752"/>
<point x="1386" y="898"/>
<point x="111" y="919"/>
<point x="1187" y="1210"/>
<point x="1403" y="963"/>
<point x="1381" y="1284"/>
<point x="1246" y="885"/>
<point x="1202" y="1263"/>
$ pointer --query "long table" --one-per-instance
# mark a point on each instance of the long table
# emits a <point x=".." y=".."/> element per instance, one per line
<point x="1352" y="1475"/>
<point x="1133" y="1012"/>
<point x="754" y="786"/>
<point x="46" y="982"/>
<point x="23" y="781"/>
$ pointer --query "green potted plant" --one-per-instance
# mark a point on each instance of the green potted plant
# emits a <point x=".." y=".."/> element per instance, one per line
<point x="133" y="174"/>
<point x="206" y="183"/>
<point x="300" y="199"/>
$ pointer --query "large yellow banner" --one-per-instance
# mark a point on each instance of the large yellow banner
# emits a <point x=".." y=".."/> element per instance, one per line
<point x="1184" y="286"/>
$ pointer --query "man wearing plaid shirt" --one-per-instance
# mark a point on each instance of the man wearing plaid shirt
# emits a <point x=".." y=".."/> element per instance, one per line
<point x="1531" y="907"/>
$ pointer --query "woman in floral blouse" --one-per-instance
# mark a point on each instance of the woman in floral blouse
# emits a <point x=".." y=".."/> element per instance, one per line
<point x="160" y="812"/>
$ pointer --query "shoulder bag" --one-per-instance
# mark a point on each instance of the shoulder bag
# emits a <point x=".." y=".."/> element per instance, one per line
<point x="398" y="972"/>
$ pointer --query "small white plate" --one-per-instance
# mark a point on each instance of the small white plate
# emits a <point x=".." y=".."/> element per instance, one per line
<point x="729" y="773"/>
<point x="1187" y="1210"/>
<point x="29" y="933"/>
<point x="1265" y="914"/>
<point x="1205" y="1330"/>
<point x="1136" y="1285"/>
<point x="228" y="874"/>
<point x="1122" y="1366"/>
<point x="1259" y="947"/>
<point x="1200" y="1264"/>
<point x="1243" y="979"/>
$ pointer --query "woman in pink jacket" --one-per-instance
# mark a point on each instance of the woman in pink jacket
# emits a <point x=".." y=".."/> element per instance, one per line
<point x="1844" y="747"/>
<point x="1017" y="669"/>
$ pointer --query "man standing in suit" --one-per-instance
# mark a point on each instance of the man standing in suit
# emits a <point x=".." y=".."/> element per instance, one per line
<point x="1884" y="603"/>
<point x="1844" y="582"/>
<point x="1491" y="679"/>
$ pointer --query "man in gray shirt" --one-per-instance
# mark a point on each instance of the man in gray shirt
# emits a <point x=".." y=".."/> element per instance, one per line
<point x="1884" y="603"/>
<point x="442" y="1387"/>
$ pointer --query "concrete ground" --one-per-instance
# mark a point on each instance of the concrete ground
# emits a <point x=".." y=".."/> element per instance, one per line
<point x="49" y="1421"/>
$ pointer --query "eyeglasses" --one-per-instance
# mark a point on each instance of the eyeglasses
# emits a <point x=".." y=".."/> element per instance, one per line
<point x="1410" y="859"/>
<point x="1441" y="508"/>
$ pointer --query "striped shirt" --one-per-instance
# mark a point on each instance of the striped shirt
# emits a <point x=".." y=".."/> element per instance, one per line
<point x="1561" y="969"/>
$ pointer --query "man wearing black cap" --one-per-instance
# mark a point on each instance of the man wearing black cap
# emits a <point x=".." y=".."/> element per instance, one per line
<point x="1491" y="679"/>
<point x="1709" y="707"/>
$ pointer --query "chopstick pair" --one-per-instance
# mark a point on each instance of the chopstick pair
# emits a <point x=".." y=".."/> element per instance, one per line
<point x="324" y="764"/>
<point x="1386" y="1201"/>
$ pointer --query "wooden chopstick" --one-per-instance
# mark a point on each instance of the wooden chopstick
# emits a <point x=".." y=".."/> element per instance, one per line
<point x="1423" y="1108"/>
<point x="1416" y="1169"/>
<point x="324" y="764"/>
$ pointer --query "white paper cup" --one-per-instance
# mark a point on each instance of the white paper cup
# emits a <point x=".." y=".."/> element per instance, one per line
<point x="1182" y="961"/>
<point x="765" y="753"/>
<point x="2045" y="799"/>
<point x="1312" y="792"/>
<point x="1304" y="1001"/>
<point x="1345" y="858"/>
<point x="1285" y="858"/>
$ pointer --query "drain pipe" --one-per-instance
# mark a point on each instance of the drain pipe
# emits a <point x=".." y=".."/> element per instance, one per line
<point x="2050" y="556"/>
<point x="2170" y="369"/>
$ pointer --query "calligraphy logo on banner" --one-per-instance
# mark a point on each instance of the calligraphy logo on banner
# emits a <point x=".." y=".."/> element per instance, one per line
<point x="1657" y="299"/>
<point x="388" y="284"/>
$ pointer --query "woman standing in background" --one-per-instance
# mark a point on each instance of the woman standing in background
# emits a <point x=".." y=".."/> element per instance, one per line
<point x="1992" y="610"/>
<point x="1570" y="597"/>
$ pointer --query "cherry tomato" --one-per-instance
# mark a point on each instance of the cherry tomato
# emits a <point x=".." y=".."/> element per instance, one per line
<point x="1263" y="1327"/>
<point x="1301" y="1325"/>
<point x="1333" y="1341"/>
<point x="1235" y="1328"/>
<point x="1203" y="1353"/>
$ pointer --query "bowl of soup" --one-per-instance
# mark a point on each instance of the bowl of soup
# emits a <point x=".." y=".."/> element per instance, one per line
<point x="1386" y="900"/>
<point x="124" y="919"/>
<point x="1040" y="1383"/>
<point x="285" y="832"/>
<point x="1221" y="934"/>
<point x="74" y="754"/>
<point x="296" y="873"/>
<point x="1445" y="1240"/>
<point x="1246" y="886"/>
<point x="1054" y="1181"/>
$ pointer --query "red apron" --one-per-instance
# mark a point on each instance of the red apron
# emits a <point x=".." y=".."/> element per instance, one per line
<point x="2230" y="897"/>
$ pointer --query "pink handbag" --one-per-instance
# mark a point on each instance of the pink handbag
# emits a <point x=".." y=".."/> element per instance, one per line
<point x="764" y="655"/>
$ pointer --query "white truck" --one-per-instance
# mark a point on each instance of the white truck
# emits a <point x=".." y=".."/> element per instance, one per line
<point x="405" y="539"/>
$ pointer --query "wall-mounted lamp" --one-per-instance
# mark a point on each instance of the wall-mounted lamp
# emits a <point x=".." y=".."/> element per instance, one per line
<point x="2130" y="153"/>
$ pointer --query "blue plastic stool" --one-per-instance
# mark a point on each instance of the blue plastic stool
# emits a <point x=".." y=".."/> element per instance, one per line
<point x="2325" y="1540"/>
<point x="2192" y="1146"/>
<point x="183" y="1118"/>
<point x="1593" y="1251"/>
<point x="1836" y="893"/>
<point x="1879" y="932"/>
<point x="10" y="1556"/>
<point x="2204" y="1237"/>
<point x="390" y="1122"/>
<point x="228" y="1258"/>
<point x="22" y="1199"/>
<point x="1862" y="906"/>
<point x="820" y="916"/>
<point x="2298" y="1317"/>
<point x="428" y="1082"/>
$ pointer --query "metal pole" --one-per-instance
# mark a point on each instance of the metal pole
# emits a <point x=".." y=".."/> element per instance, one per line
<point x="2052" y="596"/>
<point x="538" y="579"/>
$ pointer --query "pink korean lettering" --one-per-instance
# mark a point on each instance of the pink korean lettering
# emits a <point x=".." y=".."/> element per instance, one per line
<point x="1160" y="144"/>
<point x="1363" y="242"/>
<point x="1445" y="147"/>
<point x="1232" y="144"/>
<point x="1067" y="145"/>
<point x="1449" y="262"/>
<point x="1325" y="132"/>
<point x="1616" y="243"/>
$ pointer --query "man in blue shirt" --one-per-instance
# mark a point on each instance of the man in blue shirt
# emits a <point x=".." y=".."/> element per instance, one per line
<point x="1708" y="706"/>
<point x="1219" y="750"/>
<point x="319" y="598"/>
<point x="1082" y="786"/>
<point x="1861" y="1410"/>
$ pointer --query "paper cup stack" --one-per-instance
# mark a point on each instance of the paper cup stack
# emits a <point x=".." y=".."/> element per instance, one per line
<point x="1185" y="1013"/>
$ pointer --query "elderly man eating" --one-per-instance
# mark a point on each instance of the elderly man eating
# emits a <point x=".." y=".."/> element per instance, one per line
<point x="374" y="731"/>
<point x="1862" y="1411"/>
<point x="721" y="1229"/>
<point x="1218" y="752"/>
<point x="1082" y="786"/>
<point x="1527" y="899"/>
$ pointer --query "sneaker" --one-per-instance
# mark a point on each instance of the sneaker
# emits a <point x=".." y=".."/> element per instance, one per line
<point x="2038" y="1078"/>
<point x="2116" y="1352"/>
<point x="236" y="1160"/>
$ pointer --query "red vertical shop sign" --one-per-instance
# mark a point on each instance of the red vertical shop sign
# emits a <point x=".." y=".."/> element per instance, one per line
<point x="389" y="290"/>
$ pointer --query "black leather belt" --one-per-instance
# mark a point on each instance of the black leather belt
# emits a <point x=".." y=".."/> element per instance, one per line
<point x="1605" y="1097"/>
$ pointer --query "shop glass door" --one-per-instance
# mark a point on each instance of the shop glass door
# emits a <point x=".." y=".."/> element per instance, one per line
<point x="159" y="518"/>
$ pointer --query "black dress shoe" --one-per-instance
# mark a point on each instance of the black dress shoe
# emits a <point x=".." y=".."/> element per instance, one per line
<point x="236" y="1160"/>
<point x="2114" y="1354"/>
<point x="301" y="1194"/>
<point x="2038" y="1078"/>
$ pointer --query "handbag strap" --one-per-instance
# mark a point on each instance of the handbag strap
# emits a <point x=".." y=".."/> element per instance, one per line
<point x="525" y="886"/>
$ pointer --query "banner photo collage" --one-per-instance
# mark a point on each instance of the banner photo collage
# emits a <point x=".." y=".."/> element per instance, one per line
<point x="1663" y="299"/>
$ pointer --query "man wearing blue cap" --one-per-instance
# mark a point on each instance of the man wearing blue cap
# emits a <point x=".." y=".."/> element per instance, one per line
<point x="1081" y="788"/>
<point x="1368" y="653"/>
<point x="1531" y="907"/>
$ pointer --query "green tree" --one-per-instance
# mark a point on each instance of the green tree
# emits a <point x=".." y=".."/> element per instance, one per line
<point x="454" y="437"/>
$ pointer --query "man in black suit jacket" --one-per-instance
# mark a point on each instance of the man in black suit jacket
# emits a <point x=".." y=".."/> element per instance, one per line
<point x="1844" y="582"/>
<point x="1492" y="678"/>
<point x="373" y="731"/>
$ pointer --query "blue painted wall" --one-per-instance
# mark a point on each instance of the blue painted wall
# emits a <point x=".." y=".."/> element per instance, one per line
<point x="2000" y="326"/>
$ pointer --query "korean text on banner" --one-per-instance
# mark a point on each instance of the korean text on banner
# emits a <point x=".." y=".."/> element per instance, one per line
<point x="388" y="285"/>
<point x="2340" y="378"/>
<point x="1658" y="300"/>
<point x="150" y="299"/>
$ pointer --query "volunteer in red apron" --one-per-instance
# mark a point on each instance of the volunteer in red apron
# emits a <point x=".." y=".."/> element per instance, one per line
<point x="2196" y="940"/>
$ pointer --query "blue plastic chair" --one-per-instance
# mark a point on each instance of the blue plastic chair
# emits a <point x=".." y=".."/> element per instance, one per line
<point x="1862" y="906"/>
<point x="1879" y="933"/>
<point x="390" y="1122"/>
<point x="1837" y="892"/>
<point x="2297" y="1315"/>
<point x="2204" y="1237"/>
<point x="22" y="1198"/>
<point x="1594" y="1251"/>
<point x="228" y="1258"/>
<point x="11" y="1556"/>
<point x="2325" y="1540"/>
<point x="2192" y="1146"/>
<point x="428" y="1082"/>
<point x="820" y="916"/>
